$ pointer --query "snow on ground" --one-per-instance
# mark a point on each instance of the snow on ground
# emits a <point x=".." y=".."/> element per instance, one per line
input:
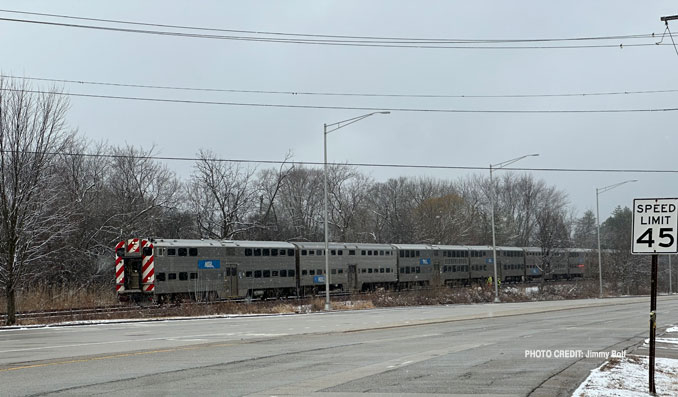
<point x="672" y="329"/>
<point x="628" y="377"/>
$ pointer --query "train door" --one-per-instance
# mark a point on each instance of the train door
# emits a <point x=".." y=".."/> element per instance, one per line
<point x="132" y="274"/>
<point x="352" y="278"/>
<point x="435" y="278"/>
<point x="231" y="280"/>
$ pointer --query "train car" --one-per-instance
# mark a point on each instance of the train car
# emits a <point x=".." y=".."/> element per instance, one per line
<point x="203" y="269"/>
<point x="558" y="258"/>
<point x="480" y="263"/>
<point x="415" y="265"/>
<point x="455" y="264"/>
<point x="375" y="266"/>
<point x="577" y="259"/>
<point x="533" y="263"/>
<point x="511" y="264"/>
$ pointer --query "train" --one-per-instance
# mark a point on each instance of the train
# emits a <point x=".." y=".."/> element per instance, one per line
<point x="169" y="269"/>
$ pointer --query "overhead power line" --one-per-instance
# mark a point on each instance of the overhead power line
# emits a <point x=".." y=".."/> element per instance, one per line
<point x="432" y="44"/>
<point x="362" y="108"/>
<point x="347" y="94"/>
<point x="375" y="165"/>
<point x="380" y="38"/>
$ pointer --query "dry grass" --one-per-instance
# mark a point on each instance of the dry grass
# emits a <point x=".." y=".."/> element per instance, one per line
<point x="42" y="298"/>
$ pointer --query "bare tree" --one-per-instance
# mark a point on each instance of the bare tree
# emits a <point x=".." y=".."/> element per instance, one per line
<point x="32" y="130"/>
<point x="222" y="195"/>
<point x="301" y="204"/>
<point x="140" y="190"/>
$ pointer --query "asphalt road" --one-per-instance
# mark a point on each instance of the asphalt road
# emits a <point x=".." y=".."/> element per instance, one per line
<point x="516" y="349"/>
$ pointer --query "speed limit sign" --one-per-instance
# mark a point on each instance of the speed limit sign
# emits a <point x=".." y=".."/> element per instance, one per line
<point x="655" y="226"/>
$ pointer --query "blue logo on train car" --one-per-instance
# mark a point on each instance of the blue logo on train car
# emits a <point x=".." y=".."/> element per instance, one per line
<point x="318" y="279"/>
<point x="425" y="261"/>
<point x="209" y="264"/>
<point x="489" y="261"/>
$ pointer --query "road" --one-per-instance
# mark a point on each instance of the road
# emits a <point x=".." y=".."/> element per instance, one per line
<point x="441" y="350"/>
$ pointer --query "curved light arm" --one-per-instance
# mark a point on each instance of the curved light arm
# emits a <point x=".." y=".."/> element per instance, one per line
<point x="341" y="124"/>
<point x="509" y="162"/>
<point x="608" y="188"/>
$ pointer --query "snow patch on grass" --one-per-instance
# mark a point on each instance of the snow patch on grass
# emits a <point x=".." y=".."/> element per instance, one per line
<point x="622" y="377"/>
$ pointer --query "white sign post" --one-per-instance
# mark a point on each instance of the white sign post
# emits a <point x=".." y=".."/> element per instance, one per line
<point x="655" y="231"/>
<point x="655" y="226"/>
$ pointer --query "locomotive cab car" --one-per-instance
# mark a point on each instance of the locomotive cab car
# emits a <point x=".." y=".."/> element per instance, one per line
<point x="165" y="269"/>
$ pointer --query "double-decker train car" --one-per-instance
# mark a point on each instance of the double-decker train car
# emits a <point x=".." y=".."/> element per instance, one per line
<point x="454" y="264"/>
<point x="160" y="269"/>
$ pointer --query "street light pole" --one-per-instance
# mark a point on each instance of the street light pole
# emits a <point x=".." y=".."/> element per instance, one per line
<point x="494" y="242"/>
<point x="327" y="128"/>
<point x="598" y="192"/>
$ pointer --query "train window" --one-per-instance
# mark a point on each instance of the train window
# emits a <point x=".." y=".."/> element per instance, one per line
<point x="171" y="251"/>
<point x="334" y="252"/>
<point x="267" y="273"/>
<point x="369" y="270"/>
<point x="172" y="276"/>
<point x="362" y="252"/>
<point x="340" y="271"/>
<point x="402" y="270"/>
<point x="248" y="274"/>
<point x="182" y="251"/>
<point x="381" y="253"/>
<point x="418" y="253"/>
<point x="195" y="276"/>
<point x="290" y="252"/>
<point x="283" y="273"/>
<point x="266" y="252"/>
<point x="484" y="267"/>
<point x="369" y="253"/>
<point x="402" y="254"/>
<point x="381" y="270"/>
<point x="303" y="252"/>
<point x="147" y="251"/>
<point x="274" y="273"/>
<point x="290" y="273"/>
<point x="319" y="252"/>
<point x="192" y="252"/>
<point x="311" y="272"/>
<point x="161" y="277"/>
<point x="351" y="252"/>
<point x="340" y="252"/>
<point x="407" y="269"/>
<point x="248" y="251"/>
<point x="304" y="272"/>
<point x="363" y="270"/>
<point x="418" y="269"/>
<point x="311" y="252"/>
<point x="444" y="253"/>
<point x="274" y="252"/>
<point x="334" y="271"/>
<point x="407" y="254"/>
<point x="257" y="252"/>
<point x="319" y="271"/>
<point x="228" y="271"/>
<point x="257" y="274"/>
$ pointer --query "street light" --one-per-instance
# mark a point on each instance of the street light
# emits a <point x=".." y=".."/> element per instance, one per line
<point x="598" y="191"/>
<point x="494" y="242"/>
<point x="326" y="130"/>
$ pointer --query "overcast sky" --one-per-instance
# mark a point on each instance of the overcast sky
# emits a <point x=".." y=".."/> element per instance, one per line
<point x="572" y="140"/>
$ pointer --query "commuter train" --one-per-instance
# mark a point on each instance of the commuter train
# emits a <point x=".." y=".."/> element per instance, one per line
<point x="162" y="269"/>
